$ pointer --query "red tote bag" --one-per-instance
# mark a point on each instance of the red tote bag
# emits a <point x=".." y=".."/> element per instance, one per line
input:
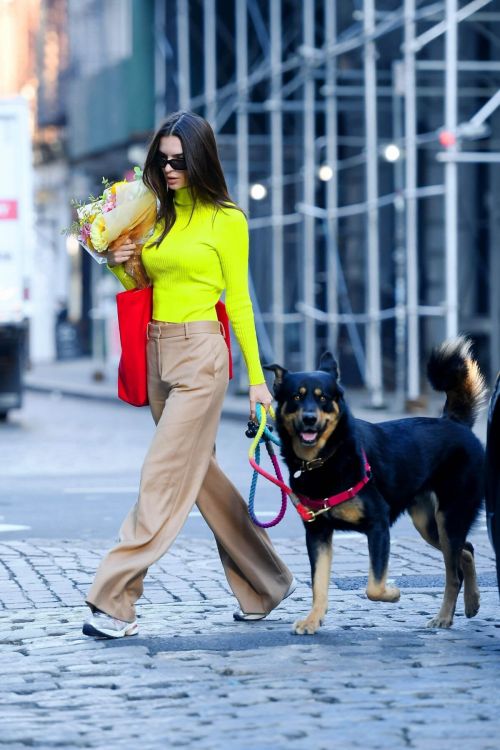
<point x="220" y="309"/>
<point x="135" y="309"/>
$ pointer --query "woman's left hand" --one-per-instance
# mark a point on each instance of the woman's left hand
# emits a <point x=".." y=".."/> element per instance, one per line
<point x="259" y="394"/>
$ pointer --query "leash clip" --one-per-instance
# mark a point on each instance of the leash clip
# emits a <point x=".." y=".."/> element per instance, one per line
<point x="314" y="513"/>
<point x="251" y="430"/>
<point x="305" y="513"/>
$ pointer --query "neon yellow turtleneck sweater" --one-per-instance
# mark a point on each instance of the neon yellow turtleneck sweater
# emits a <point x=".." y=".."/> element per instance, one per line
<point x="194" y="263"/>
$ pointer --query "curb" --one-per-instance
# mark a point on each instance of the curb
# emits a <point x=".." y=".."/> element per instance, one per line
<point x="230" y="409"/>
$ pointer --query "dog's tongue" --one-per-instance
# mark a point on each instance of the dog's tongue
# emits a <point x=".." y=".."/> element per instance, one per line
<point x="308" y="436"/>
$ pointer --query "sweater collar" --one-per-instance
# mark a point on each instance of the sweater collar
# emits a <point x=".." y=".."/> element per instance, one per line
<point x="183" y="196"/>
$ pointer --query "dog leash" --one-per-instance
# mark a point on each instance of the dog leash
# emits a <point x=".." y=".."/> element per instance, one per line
<point x="314" y="507"/>
<point x="264" y="434"/>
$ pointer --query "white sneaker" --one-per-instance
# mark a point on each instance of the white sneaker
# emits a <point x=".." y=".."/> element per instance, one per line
<point x="240" y="616"/>
<point x="101" y="625"/>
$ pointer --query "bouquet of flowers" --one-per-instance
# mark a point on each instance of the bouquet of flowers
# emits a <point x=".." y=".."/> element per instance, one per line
<point x="125" y="210"/>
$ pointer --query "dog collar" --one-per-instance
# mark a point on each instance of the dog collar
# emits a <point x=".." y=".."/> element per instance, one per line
<point x="315" y="463"/>
<point x="308" y="508"/>
<point x="309" y="466"/>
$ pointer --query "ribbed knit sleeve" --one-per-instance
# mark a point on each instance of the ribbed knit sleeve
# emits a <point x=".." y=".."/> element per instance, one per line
<point x="231" y="244"/>
<point x="121" y="274"/>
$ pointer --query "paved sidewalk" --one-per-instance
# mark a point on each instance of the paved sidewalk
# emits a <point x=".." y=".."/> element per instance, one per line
<point x="85" y="377"/>
<point x="90" y="378"/>
<point x="374" y="677"/>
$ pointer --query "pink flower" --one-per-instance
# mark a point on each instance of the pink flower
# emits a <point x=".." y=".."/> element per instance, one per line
<point x="109" y="204"/>
<point x="84" y="232"/>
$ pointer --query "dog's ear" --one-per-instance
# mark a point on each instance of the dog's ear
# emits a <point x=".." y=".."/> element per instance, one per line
<point x="279" y="374"/>
<point x="328" y="364"/>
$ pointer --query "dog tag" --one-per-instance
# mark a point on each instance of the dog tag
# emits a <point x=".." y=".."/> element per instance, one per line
<point x="297" y="473"/>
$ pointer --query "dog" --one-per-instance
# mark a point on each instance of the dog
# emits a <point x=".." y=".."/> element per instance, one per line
<point x="431" y="467"/>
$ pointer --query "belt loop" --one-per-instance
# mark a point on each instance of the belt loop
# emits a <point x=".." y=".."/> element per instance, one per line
<point x="222" y="329"/>
<point x="186" y="330"/>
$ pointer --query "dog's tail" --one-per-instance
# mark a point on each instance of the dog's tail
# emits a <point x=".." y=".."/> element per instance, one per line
<point x="452" y="370"/>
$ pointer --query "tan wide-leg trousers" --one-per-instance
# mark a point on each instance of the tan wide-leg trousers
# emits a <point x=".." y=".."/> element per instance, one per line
<point x="187" y="380"/>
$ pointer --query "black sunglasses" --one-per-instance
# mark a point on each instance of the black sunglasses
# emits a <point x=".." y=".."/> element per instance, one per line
<point x="177" y="164"/>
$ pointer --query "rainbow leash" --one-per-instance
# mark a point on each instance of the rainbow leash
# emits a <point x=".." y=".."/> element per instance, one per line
<point x="264" y="435"/>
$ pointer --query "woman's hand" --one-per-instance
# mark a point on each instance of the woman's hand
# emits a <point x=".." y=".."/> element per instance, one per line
<point x="259" y="394"/>
<point x="122" y="252"/>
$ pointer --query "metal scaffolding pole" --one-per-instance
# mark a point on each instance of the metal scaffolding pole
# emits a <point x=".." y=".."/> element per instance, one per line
<point x="309" y="176"/>
<point x="413" y="379"/>
<point x="442" y="27"/>
<point x="276" y="109"/>
<point x="241" y="20"/>
<point x="332" y="184"/>
<point x="183" y="60"/>
<point x="373" y="375"/>
<point x="450" y="171"/>
<point x="241" y="111"/>
<point x="296" y="61"/>
<point x="210" y="67"/>
<point x="399" y="256"/>
<point x="160" y="60"/>
<point x="242" y="152"/>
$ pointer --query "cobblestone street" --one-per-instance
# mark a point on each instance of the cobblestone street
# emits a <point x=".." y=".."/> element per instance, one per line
<point x="374" y="677"/>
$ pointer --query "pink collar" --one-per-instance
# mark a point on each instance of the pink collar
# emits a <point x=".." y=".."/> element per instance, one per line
<point x="307" y="506"/>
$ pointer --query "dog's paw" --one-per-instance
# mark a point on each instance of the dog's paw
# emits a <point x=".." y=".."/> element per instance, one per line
<point x="389" y="594"/>
<point x="308" y="626"/>
<point x="471" y="602"/>
<point x="392" y="594"/>
<point x="440" y="622"/>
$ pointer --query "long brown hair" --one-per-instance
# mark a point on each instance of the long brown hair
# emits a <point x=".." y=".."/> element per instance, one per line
<point x="204" y="171"/>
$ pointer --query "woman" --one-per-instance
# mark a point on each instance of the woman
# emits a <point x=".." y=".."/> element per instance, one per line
<point x="200" y="247"/>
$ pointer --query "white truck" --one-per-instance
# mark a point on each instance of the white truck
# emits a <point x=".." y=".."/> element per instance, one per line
<point x="16" y="247"/>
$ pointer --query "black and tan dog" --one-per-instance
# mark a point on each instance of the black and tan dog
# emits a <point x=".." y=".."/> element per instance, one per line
<point x="431" y="467"/>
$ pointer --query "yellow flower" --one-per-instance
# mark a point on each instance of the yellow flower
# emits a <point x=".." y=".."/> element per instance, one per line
<point x="114" y="185"/>
<point x="98" y="234"/>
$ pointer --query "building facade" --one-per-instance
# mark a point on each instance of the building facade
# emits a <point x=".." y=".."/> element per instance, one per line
<point x="360" y="137"/>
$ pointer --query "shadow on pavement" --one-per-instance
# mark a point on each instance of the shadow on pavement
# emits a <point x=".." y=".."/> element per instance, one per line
<point x="345" y="641"/>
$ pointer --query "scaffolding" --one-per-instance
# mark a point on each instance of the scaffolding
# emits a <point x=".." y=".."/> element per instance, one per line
<point x="394" y="103"/>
